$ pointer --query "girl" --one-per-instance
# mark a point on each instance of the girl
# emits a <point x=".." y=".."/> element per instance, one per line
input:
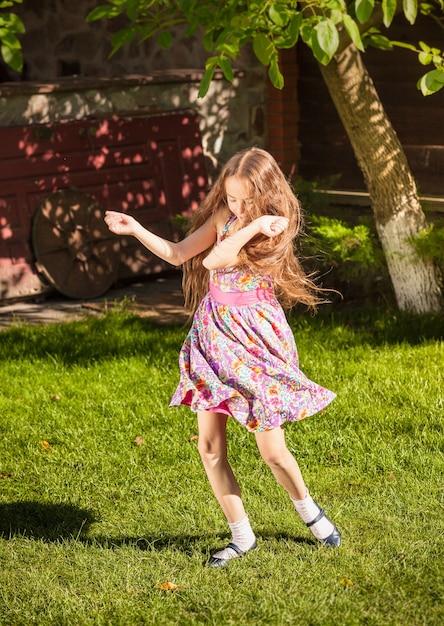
<point x="239" y="359"/>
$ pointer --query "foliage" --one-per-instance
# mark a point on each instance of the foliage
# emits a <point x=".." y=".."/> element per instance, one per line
<point x="348" y="258"/>
<point x="312" y="193"/>
<point x="11" y="26"/>
<point x="430" y="243"/>
<point x="323" y="25"/>
<point x="181" y="223"/>
<point x="106" y="516"/>
<point x="346" y="255"/>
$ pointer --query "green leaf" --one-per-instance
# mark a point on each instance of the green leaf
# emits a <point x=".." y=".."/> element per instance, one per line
<point x="13" y="57"/>
<point x="103" y="12"/>
<point x="425" y="58"/>
<point x="132" y="9"/>
<point x="431" y="82"/>
<point x="225" y="65"/>
<point x="410" y="10"/>
<point x="165" y="39"/>
<point x="363" y="9"/>
<point x="274" y="73"/>
<point x="426" y="8"/>
<point x="241" y="22"/>
<point x="205" y="82"/>
<point x="231" y="49"/>
<point x="123" y="37"/>
<point x="388" y="11"/>
<point x="290" y="36"/>
<point x="208" y="41"/>
<point x="211" y="62"/>
<point x="263" y="48"/>
<point x="325" y="40"/>
<point x="336" y="16"/>
<point x="402" y="44"/>
<point x="279" y="15"/>
<point x="12" y="22"/>
<point x="9" y="39"/>
<point x="353" y="31"/>
<point x="374" y="38"/>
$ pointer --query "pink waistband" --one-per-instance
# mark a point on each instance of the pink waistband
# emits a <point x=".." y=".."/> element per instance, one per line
<point x="241" y="298"/>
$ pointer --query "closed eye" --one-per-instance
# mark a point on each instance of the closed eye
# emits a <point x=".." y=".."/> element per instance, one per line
<point x="246" y="200"/>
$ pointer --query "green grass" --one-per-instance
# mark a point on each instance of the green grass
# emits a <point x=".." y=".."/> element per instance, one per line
<point x="90" y="526"/>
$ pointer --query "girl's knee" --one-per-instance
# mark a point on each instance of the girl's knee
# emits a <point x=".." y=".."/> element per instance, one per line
<point x="211" y="451"/>
<point x="276" y="458"/>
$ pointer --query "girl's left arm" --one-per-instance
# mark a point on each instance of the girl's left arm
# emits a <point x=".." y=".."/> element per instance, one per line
<point x="226" y="254"/>
<point x="173" y="252"/>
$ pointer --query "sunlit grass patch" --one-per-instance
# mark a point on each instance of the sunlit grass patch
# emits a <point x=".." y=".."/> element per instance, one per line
<point x="103" y="499"/>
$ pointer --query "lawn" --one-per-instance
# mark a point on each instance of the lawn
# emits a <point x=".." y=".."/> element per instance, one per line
<point x="103" y="498"/>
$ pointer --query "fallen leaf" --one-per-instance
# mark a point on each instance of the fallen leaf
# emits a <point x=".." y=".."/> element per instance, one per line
<point x="56" y="397"/>
<point x="392" y="476"/>
<point x="167" y="586"/>
<point x="346" y="582"/>
<point x="139" y="441"/>
<point x="194" y="438"/>
<point x="46" y="446"/>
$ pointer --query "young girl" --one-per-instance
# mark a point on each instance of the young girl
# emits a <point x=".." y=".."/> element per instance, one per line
<point x="239" y="359"/>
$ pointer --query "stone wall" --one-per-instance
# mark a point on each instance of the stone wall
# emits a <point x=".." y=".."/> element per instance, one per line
<point x="59" y="42"/>
<point x="68" y="75"/>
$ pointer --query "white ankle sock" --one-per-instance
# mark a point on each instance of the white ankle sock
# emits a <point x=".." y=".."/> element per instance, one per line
<point x="308" y="510"/>
<point x="242" y="536"/>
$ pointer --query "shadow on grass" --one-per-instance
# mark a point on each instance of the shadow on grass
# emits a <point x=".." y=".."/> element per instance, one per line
<point x="55" y="522"/>
<point x="183" y="543"/>
<point x="372" y="326"/>
<point x="44" y="521"/>
<point x="115" y="335"/>
<point x="120" y="335"/>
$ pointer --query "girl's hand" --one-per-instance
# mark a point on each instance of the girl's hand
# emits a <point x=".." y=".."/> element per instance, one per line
<point x="120" y="223"/>
<point x="271" y="225"/>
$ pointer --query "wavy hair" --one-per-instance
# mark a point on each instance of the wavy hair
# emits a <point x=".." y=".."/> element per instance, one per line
<point x="276" y="257"/>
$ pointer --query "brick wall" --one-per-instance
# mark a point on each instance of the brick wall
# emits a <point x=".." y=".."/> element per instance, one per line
<point x="283" y="116"/>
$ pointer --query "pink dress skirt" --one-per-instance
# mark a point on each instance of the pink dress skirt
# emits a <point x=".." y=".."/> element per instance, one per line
<point x="240" y="357"/>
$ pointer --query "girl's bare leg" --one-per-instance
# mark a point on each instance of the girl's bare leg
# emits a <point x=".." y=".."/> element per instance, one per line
<point x="277" y="456"/>
<point x="285" y="468"/>
<point x="213" y="452"/>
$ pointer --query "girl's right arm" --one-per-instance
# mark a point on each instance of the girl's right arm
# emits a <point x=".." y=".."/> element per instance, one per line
<point x="173" y="252"/>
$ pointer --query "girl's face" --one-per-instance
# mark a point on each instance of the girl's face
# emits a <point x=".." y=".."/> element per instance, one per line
<point x="238" y="196"/>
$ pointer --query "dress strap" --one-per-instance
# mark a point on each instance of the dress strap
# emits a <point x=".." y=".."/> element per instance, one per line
<point x="227" y="225"/>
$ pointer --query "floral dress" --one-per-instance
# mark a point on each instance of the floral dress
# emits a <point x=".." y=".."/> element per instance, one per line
<point x="240" y="357"/>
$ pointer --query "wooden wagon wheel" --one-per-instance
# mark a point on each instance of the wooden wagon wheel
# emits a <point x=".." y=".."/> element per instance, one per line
<point x="73" y="247"/>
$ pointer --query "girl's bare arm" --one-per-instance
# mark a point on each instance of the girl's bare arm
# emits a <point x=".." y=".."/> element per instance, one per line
<point x="173" y="252"/>
<point x="226" y="254"/>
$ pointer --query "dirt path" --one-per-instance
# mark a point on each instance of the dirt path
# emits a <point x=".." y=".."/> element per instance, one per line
<point x="160" y="299"/>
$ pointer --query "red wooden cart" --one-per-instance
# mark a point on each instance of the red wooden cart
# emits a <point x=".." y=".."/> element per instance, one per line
<point x="56" y="181"/>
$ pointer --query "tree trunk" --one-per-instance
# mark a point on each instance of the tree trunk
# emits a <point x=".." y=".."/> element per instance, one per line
<point x="396" y="207"/>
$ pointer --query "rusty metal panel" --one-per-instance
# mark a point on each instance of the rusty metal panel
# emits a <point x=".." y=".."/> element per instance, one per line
<point x="150" y="166"/>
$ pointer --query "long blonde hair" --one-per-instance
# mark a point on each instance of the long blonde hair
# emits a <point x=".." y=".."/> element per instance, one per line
<point x="271" y="195"/>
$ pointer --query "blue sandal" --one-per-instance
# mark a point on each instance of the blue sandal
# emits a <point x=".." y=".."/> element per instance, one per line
<point x="215" y="561"/>
<point x="333" y="540"/>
